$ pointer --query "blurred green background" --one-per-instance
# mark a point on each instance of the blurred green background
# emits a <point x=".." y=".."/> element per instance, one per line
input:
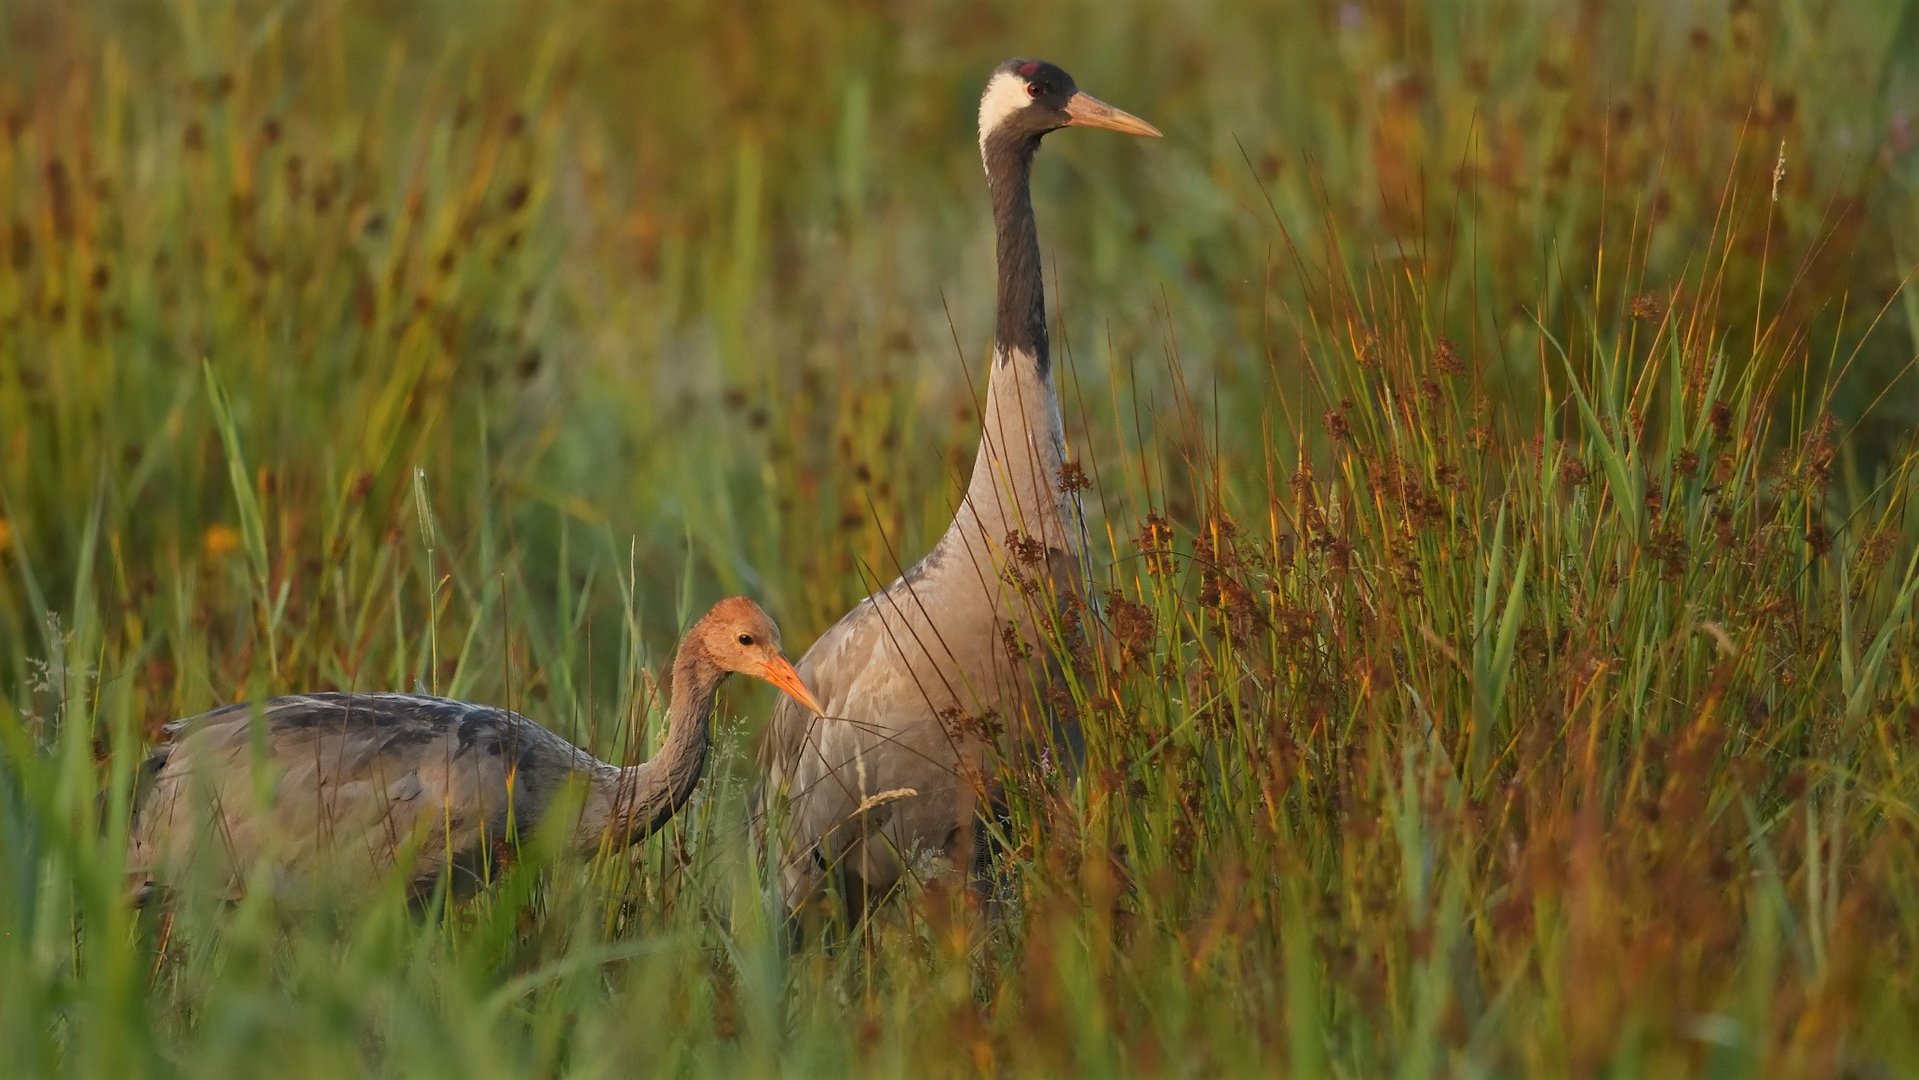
<point x="583" y="254"/>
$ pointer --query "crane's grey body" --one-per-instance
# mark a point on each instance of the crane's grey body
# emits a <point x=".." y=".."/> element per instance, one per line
<point x="961" y="635"/>
<point x="341" y="788"/>
<point x="359" y="781"/>
<point x="908" y="665"/>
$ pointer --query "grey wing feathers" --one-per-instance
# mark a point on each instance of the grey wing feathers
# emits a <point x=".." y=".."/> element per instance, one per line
<point x="782" y="812"/>
<point x="363" y="778"/>
<point x="888" y="787"/>
<point x="813" y="780"/>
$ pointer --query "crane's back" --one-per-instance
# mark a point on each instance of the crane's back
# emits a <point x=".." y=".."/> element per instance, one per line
<point x="340" y="788"/>
<point x="918" y="681"/>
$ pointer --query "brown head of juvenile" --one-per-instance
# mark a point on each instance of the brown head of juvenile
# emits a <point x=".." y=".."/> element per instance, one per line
<point x="738" y="637"/>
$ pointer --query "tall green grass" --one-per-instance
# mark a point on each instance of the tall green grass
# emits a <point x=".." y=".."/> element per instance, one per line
<point x="1498" y="419"/>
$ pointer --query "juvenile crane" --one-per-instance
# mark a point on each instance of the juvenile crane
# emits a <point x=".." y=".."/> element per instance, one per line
<point x="925" y="670"/>
<point x="355" y="783"/>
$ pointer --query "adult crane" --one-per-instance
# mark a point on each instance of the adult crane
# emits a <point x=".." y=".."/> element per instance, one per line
<point x="928" y="672"/>
<point x="336" y="789"/>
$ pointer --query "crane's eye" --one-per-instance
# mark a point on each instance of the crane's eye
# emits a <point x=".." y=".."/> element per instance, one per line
<point x="746" y="639"/>
<point x="1034" y="89"/>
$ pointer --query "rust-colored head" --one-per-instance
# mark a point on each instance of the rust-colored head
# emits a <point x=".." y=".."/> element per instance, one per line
<point x="738" y="636"/>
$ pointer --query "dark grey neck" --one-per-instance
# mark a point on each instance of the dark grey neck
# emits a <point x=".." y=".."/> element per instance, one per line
<point x="658" y="788"/>
<point x="1020" y="325"/>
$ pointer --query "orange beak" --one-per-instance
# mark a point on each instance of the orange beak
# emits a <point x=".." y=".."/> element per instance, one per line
<point x="779" y="671"/>
<point x="1085" y="110"/>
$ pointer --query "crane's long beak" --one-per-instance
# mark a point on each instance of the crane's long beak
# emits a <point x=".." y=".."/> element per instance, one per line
<point x="1085" y="110"/>
<point x="779" y="671"/>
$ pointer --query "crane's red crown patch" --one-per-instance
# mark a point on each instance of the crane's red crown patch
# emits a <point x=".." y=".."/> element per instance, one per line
<point x="1029" y="67"/>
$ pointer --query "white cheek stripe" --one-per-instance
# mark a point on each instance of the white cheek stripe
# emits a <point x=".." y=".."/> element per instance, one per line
<point x="1004" y="96"/>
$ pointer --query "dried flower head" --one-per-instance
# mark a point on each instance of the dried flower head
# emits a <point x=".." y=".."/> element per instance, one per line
<point x="1155" y="544"/>
<point x="1072" y="478"/>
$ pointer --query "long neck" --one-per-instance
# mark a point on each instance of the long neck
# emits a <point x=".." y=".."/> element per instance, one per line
<point x="634" y="802"/>
<point x="1014" y="486"/>
<point x="1020" y="315"/>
